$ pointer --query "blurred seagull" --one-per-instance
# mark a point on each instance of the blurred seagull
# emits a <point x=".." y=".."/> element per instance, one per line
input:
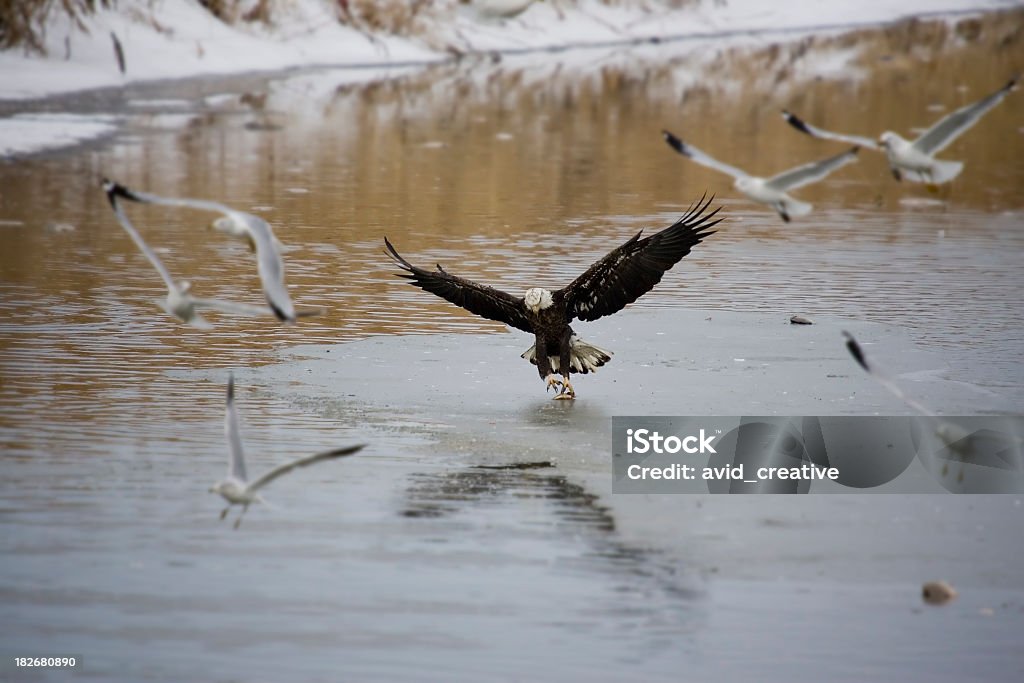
<point x="179" y="302"/>
<point x="269" y="263"/>
<point x="914" y="160"/>
<point x="881" y="376"/>
<point x="967" y="445"/>
<point x="771" y="191"/>
<point x="236" y="489"/>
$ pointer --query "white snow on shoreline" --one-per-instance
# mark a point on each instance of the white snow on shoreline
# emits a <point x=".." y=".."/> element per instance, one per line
<point x="30" y="133"/>
<point x="165" y="39"/>
<point x="179" y="39"/>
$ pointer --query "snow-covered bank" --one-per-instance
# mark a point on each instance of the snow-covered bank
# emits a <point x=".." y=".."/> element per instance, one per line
<point x="181" y="39"/>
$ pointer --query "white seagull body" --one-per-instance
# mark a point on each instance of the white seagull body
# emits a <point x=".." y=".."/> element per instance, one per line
<point x="915" y="159"/>
<point x="179" y="302"/>
<point x="269" y="263"/>
<point x="771" y="191"/>
<point x="236" y="489"/>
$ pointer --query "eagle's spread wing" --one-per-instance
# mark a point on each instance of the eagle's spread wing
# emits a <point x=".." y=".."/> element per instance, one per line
<point x="629" y="272"/>
<point x="484" y="301"/>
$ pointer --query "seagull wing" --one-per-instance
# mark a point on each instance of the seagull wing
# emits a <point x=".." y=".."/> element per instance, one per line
<point x="631" y="270"/>
<point x="232" y="307"/>
<point x="812" y="172"/>
<point x="804" y="127"/>
<point x="147" y="198"/>
<point x="269" y="265"/>
<point x="113" y="191"/>
<point x="700" y="157"/>
<point x="949" y="128"/>
<point x="233" y="432"/>
<point x="302" y="462"/>
<point x="484" y="301"/>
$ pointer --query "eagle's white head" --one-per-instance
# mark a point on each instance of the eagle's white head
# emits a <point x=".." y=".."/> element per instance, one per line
<point x="538" y="299"/>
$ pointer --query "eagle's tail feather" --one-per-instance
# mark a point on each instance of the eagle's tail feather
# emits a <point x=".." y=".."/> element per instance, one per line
<point x="584" y="357"/>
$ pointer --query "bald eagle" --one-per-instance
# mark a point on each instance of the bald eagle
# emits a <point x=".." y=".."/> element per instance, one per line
<point x="618" y="279"/>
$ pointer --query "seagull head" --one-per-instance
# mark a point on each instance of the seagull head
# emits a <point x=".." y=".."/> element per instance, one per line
<point x="888" y="140"/>
<point x="537" y="299"/>
<point x="744" y="184"/>
<point x="228" y="225"/>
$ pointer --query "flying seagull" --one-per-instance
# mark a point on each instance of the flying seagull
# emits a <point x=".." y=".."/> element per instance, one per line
<point x="620" y="278"/>
<point x="968" y="446"/>
<point x="236" y="489"/>
<point x="914" y="160"/>
<point x="881" y="376"/>
<point x="269" y="263"/>
<point x="771" y="191"/>
<point x="179" y="302"/>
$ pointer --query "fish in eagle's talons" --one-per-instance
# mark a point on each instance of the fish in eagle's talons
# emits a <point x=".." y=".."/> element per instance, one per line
<point x="567" y="393"/>
<point x="609" y="285"/>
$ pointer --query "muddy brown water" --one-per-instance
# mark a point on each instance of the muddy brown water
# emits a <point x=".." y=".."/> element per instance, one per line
<point x="427" y="557"/>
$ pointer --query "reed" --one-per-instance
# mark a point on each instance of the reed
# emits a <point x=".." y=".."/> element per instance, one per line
<point x="22" y="22"/>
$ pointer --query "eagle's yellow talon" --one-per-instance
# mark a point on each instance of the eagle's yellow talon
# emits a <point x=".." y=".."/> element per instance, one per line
<point x="567" y="393"/>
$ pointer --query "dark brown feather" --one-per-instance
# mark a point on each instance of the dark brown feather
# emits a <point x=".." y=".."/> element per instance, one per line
<point x="484" y="301"/>
<point x="629" y="272"/>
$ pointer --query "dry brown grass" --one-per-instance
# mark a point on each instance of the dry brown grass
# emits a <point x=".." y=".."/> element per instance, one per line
<point x="230" y="11"/>
<point x="22" y="21"/>
<point x="396" y="17"/>
<point x="407" y="17"/>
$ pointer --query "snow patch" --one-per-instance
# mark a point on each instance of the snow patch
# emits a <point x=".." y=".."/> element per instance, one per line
<point x="28" y="133"/>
